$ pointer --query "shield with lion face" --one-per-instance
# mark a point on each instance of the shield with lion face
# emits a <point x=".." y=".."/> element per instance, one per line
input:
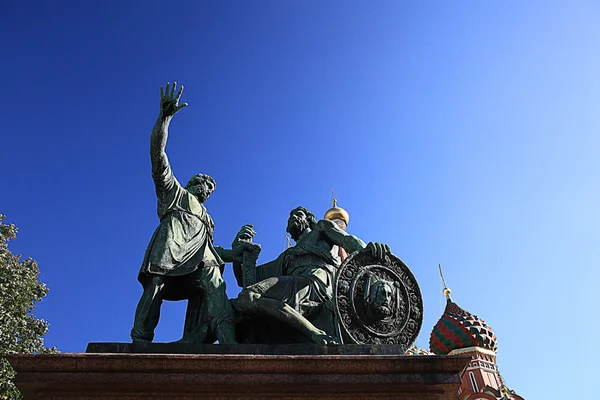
<point x="378" y="300"/>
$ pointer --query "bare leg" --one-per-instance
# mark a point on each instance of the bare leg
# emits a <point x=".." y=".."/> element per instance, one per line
<point x="254" y="303"/>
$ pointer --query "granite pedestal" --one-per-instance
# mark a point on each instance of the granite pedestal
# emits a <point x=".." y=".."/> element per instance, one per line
<point x="270" y="372"/>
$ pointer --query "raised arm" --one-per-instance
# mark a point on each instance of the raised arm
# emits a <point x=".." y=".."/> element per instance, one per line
<point x="161" y="170"/>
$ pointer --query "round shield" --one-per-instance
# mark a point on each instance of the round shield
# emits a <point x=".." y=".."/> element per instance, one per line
<point x="378" y="300"/>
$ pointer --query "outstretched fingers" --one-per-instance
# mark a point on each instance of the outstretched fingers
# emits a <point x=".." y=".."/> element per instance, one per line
<point x="179" y="93"/>
<point x="169" y="101"/>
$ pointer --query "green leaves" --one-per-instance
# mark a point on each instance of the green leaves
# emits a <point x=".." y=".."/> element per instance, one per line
<point x="20" y="290"/>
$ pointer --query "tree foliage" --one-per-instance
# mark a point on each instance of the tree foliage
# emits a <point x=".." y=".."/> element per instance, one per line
<point x="20" y="290"/>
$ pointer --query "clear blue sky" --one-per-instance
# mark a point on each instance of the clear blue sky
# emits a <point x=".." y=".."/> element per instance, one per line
<point x="461" y="133"/>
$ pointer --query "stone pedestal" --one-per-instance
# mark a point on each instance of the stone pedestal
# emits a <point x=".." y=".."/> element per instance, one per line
<point x="127" y="376"/>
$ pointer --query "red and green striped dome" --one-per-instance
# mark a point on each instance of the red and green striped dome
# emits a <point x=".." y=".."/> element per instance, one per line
<point x="458" y="329"/>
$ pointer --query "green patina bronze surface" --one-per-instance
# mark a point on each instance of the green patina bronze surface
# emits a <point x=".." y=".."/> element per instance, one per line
<point x="309" y="294"/>
<point x="296" y="289"/>
<point x="181" y="261"/>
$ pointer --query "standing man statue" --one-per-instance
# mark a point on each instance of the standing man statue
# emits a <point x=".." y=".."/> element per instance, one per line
<point x="296" y="289"/>
<point x="181" y="261"/>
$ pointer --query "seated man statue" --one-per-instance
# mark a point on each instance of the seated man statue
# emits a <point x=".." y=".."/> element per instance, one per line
<point x="299" y="282"/>
<point x="181" y="261"/>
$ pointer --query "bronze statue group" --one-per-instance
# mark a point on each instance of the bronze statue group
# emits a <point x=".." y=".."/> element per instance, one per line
<point x="287" y="300"/>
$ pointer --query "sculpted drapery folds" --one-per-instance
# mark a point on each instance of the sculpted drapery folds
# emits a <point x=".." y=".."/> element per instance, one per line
<point x="297" y="293"/>
<point x="181" y="261"/>
<point x="296" y="289"/>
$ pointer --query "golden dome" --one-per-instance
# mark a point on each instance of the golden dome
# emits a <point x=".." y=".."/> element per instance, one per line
<point x="336" y="212"/>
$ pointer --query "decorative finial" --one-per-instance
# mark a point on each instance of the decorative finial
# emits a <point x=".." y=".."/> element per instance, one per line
<point x="446" y="290"/>
<point x="336" y="212"/>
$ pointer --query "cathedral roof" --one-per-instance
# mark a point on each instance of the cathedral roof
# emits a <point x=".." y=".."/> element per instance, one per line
<point x="417" y="351"/>
<point x="458" y="329"/>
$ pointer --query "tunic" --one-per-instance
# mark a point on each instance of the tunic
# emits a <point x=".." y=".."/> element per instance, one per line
<point x="183" y="239"/>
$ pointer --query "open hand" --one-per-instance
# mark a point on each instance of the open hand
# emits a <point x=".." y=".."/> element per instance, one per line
<point x="169" y="102"/>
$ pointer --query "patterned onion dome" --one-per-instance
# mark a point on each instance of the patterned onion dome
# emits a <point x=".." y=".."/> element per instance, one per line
<point x="459" y="329"/>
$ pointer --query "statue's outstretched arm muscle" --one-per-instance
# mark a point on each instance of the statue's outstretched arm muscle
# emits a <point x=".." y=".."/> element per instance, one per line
<point x="339" y="237"/>
<point x="348" y="242"/>
<point x="164" y="180"/>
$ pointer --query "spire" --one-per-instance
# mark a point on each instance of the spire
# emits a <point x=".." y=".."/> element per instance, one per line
<point x="446" y="290"/>
<point x="459" y="329"/>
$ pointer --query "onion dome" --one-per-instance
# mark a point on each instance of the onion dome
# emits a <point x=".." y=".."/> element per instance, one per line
<point x="336" y="212"/>
<point x="459" y="329"/>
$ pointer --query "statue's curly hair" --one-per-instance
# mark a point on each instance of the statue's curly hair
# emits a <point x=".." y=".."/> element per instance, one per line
<point x="310" y="217"/>
<point x="198" y="179"/>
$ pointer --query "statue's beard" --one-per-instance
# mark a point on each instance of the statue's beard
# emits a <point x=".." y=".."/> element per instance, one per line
<point x="296" y="227"/>
<point x="383" y="311"/>
<point x="201" y="194"/>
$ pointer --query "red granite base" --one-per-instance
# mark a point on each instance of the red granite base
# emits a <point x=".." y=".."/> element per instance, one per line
<point x="206" y="376"/>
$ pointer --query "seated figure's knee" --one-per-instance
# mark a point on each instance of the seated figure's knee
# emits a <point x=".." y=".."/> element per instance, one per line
<point x="246" y="300"/>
